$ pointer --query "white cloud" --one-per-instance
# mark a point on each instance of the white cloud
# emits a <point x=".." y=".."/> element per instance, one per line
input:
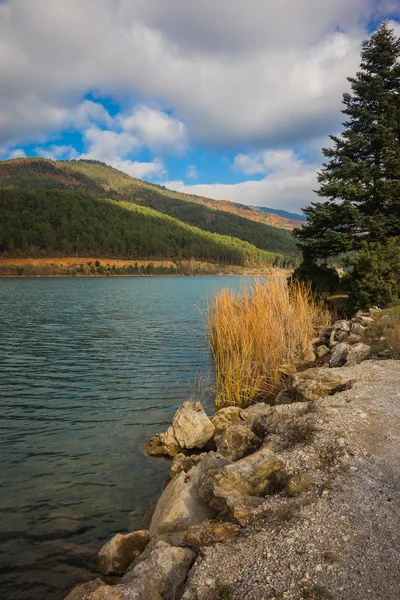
<point x="55" y="152"/>
<point x="191" y="172"/>
<point x="17" y="153"/>
<point x="251" y="72"/>
<point x="114" y="148"/>
<point x="155" y="129"/>
<point x="288" y="184"/>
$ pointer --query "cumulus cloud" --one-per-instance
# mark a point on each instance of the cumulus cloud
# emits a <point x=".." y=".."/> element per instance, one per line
<point x="155" y="129"/>
<point x="288" y="183"/>
<point x="249" y="72"/>
<point x="55" y="152"/>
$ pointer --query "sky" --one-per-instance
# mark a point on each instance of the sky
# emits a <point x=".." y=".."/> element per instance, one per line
<point x="231" y="99"/>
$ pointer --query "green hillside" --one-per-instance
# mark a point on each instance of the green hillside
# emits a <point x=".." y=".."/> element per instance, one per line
<point x="101" y="180"/>
<point x="58" y="222"/>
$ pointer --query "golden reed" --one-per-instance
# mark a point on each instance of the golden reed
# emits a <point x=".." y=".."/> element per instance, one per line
<point x="256" y="331"/>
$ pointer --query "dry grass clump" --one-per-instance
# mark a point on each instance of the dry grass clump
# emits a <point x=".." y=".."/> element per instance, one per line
<point x="256" y="331"/>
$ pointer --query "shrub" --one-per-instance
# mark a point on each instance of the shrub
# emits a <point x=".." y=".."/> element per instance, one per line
<point x="253" y="333"/>
<point x="375" y="275"/>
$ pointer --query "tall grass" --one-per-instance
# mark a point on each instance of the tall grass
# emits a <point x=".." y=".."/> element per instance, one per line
<point x="255" y="332"/>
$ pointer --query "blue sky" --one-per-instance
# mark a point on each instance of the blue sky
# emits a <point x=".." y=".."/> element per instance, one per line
<point x="231" y="99"/>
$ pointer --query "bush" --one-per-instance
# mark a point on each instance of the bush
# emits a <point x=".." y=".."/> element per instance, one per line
<point x="375" y="278"/>
<point x="323" y="279"/>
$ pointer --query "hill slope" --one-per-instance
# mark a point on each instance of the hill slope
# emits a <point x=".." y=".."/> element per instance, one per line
<point x="295" y="217"/>
<point x="101" y="180"/>
<point x="51" y="222"/>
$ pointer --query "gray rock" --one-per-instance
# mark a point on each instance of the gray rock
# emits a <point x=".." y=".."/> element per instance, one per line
<point x="179" y="507"/>
<point x="342" y="325"/>
<point x="237" y="441"/>
<point x="163" y="573"/>
<point x="315" y="383"/>
<point x="117" y="554"/>
<point x="357" y="354"/>
<point x="226" y="417"/>
<point x="339" y="355"/>
<point x="357" y="329"/>
<point x="340" y="335"/>
<point x="354" y="339"/>
<point x="250" y="476"/>
<point x="254" y="414"/>
<point x="365" y="320"/>
<point x="192" y="427"/>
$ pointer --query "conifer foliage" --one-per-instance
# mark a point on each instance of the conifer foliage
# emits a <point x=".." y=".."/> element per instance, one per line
<point x="360" y="181"/>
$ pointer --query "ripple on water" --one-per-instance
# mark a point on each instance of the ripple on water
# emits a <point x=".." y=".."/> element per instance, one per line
<point x="90" y="368"/>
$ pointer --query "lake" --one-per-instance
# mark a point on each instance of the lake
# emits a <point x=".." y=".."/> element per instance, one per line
<point x="90" y="369"/>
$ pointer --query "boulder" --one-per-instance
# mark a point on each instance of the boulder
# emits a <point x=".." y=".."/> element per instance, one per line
<point x="339" y="355"/>
<point x="298" y="483"/>
<point x="308" y="358"/>
<point x="322" y="351"/>
<point x="354" y="339"/>
<point x="342" y="325"/>
<point x="226" y="417"/>
<point x="192" y="427"/>
<point x="357" y="329"/>
<point x="184" y="463"/>
<point x="80" y="592"/>
<point x="237" y="441"/>
<point x="340" y="335"/>
<point x="209" y="533"/>
<point x="179" y="507"/>
<point x="281" y="416"/>
<point x="163" y="443"/>
<point x="121" y="592"/>
<point x="357" y="354"/>
<point x="365" y="320"/>
<point x="243" y="508"/>
<point x="250" y="476"/>
<point x="254" y="415"/>
<point x="163" y="572"/>
<point x="117" y="554"/>
<point x="315" y="383"/>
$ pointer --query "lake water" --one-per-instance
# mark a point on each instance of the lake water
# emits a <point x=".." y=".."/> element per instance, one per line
<point x="90" y="368"/>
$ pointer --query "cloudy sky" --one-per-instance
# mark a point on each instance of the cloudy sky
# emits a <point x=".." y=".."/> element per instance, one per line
<point x="226" y="98"/>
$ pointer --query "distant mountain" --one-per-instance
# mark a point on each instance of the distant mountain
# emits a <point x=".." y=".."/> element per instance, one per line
<point x="50" y="222"/>
<point x="101" y="180"/>
<point x="281" y="213"/>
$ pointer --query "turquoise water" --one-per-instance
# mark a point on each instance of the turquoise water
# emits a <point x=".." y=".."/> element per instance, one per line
<point x="90" y="368"/>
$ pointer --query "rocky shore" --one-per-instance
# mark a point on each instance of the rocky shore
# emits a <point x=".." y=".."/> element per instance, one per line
<point x="276" y="502"/>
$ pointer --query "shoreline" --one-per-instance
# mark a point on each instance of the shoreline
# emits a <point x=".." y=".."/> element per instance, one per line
<point x="67" y="267"/>
<point x="260" y="501"/>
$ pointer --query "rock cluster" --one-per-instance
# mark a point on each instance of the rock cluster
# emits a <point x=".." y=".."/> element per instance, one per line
<point x="342" y="343"/>
<point x="223" y="471"/>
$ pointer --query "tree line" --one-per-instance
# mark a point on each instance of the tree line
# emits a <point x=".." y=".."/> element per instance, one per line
<point x="55" y="222"/>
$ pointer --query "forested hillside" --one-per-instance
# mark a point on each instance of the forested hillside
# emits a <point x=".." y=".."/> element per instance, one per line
<point x="101" y="180"/>
<point x="58" y="222"/>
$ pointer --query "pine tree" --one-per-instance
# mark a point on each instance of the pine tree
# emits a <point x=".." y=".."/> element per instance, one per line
<point x="361" y="179"/>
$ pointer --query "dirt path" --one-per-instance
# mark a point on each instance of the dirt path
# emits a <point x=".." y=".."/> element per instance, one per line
<point x="372" y="565"/>
<point x="340" y="540"/>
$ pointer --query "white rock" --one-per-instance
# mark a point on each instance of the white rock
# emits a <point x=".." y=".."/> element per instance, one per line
<point x="192" y="427"/>
<point x="179" y="507"/>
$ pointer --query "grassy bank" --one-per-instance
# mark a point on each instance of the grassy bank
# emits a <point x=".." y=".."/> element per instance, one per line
<point x="89" y="266"/>
<point x="256" y="333"/>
